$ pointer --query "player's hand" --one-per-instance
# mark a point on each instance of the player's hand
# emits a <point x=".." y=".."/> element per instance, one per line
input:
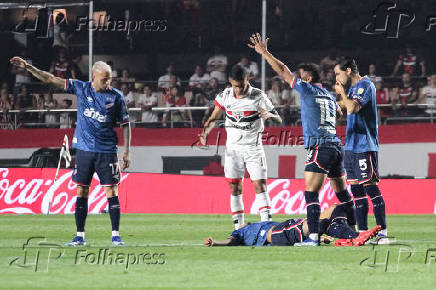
<point x="340" y="90"/>
<point x="126" y="160"/>
<point x="257" y="44"/>
<point x="208" y="242"/>
<point x="264" y="114"/>
<point x="18" y="61"/>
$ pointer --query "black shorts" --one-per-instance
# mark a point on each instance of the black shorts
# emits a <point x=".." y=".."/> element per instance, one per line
<point x="104" y="164"/>
<point x="362" y="167"/>
<point x="327" y="158"/>
<point x="288" y="233"/>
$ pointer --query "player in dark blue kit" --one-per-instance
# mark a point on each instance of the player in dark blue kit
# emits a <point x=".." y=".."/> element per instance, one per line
<point x="99" y="108"/>
<point x="358" y="96"/>
<point x="293" y="231"/>
<point x="325" y="154"/>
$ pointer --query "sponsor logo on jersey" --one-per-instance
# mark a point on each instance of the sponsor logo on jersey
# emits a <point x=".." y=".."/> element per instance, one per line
<point x="93" y="114"/>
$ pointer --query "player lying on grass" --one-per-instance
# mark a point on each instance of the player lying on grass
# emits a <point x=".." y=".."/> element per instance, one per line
<point x="293" y="231"/>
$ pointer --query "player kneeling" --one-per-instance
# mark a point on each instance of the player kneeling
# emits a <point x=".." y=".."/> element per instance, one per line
<point x="293" y="231"/>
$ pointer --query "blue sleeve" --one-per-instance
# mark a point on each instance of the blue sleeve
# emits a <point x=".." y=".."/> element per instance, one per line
<point x="238" y="237"/>
<point x="302" y="87"/>
<point x="72" y="86"/>
<point x="363" y="94"/>
<point x="123" y="113"/>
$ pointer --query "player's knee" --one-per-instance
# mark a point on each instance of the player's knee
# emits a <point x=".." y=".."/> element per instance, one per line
<point x="236" y="188"/>
<point x="111" y="191"/>
<point x="259" y="186"/>
<point x="82" y="191"/>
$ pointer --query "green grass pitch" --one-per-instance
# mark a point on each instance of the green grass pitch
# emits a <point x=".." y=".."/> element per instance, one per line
<point x="180" y="261"/>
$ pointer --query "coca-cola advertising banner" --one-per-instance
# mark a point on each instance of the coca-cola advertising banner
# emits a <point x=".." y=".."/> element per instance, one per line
<point x="32" y="190"/>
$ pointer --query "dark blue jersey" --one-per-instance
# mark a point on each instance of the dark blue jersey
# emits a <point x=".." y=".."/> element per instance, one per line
<point x="97" y="114"/>
<point x="318" y="113"/>
<point x="254" y="234"/>
<point x="362" y="127"/>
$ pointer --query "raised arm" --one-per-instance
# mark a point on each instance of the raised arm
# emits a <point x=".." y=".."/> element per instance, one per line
<point x="279" y="67"/>
<point x="210" y="124"/>
<point x="43" y="76"/>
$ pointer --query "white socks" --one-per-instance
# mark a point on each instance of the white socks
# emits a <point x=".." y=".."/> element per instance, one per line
<point x="115" y="233"/>
<point x="81" y="234"/>
<point x="237" y="208"/>
<point x="264" y="204"/>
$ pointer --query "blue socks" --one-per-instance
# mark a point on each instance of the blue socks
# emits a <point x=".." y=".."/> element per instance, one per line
<point x="362" y="206"/>
<point x="81" y="213"/>
<point x="378" y="204"/>
<point x="348" y="206"/>
<point x="114" y="212"/>
<point x="313" y="211"/>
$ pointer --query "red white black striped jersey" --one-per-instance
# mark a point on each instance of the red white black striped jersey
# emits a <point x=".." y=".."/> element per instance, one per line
<point x="243" y="125"/>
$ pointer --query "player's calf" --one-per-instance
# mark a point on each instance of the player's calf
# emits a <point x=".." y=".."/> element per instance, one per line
<point x="362" y="206"/>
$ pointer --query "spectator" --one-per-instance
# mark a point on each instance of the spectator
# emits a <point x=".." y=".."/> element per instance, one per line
<point x="130" y="101"/>
<point x="372" y="72"/>
<point x="62" y="67"/>
<point x="75" y="66"/>
<point x="428" y="95"/>
<point x="405" y="94"/>
<point x="5" y="107"/>
<point x="5" y="86"/>
<point x="250" y="67"/>
<point x="50" y="118"/>
<point x="277" y="93"/>
<point x="114" y="71"/>
<point x="198" y="100"/>
<point x="61" y="37"/>
<point x="176" y="99"/>
<point x="25" y="101"/>
<point x="164" y="81"/>
<point x="327" y="64"/>
<point x="383" y="98"/>
<point x="212" y="89"/>
<point x="199" y="80"/>
<point x="217" y="66"/>
<point x="148" y="100"/>
<point x="21" y="74"/>
<point x="125" y="76"/>
<point x="408" y="63"/>
<point x="66" y="118"/>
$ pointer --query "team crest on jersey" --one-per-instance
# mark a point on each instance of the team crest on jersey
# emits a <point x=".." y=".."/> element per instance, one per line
<point x="360" y="91"/>
<point x="238" y="115"/>
<point x="89" y="99"/>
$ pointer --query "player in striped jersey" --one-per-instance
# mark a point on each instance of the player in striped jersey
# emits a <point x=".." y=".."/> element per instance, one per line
<point x="245" y="109"/>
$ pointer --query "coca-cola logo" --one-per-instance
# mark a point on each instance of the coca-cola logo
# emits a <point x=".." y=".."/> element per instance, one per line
<point x="26" y="194"/>
<point x="285" y="202"/>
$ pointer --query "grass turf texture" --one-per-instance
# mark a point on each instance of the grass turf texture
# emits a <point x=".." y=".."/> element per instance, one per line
<point x="189" y="265"/>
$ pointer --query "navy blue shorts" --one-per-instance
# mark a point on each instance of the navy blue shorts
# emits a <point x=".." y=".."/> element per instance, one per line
<point x="327" y="158"/>
<point x="287" y="233"/>
<point x="105" y="164"/>
<point x="362" y="167"/>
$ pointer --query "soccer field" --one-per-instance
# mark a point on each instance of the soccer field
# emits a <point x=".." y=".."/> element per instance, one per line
<point x="165" y="251"/>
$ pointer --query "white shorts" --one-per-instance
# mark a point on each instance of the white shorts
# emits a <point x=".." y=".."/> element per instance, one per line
<point x="236" y="160"/>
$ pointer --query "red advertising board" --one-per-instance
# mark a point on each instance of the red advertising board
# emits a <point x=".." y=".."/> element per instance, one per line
<point x="31" y="190"/>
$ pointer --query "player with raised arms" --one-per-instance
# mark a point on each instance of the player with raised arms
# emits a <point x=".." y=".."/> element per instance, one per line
<point x="245" y="109"/>
<point x="99" y="108"/>
<point x="325" y="153"/>
<point x="358" y="96"/>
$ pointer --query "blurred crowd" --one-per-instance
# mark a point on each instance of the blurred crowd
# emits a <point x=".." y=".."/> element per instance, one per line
<point x="407" y="92"/>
